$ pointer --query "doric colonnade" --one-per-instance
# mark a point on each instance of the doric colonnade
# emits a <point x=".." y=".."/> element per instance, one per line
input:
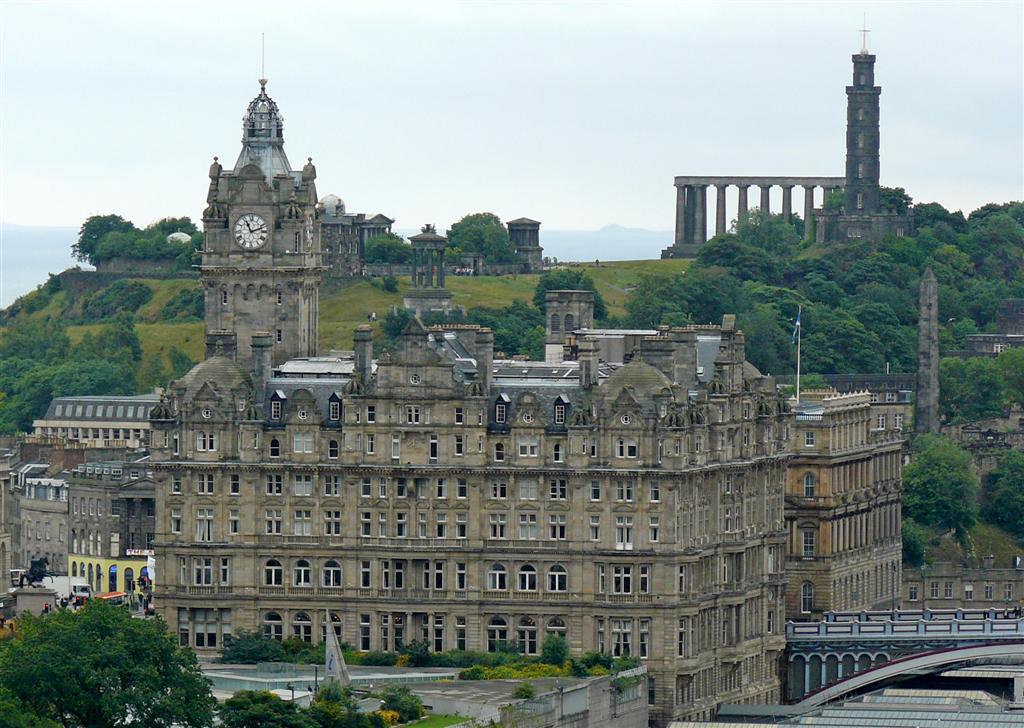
<point x="428" y="266"/>
<point x="691" y="200"/>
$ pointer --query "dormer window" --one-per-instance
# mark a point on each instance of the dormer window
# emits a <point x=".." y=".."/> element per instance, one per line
<point x="275" y="409"/>
<point x="335" y="410"/>
<point x="559" y="414"/>
<point x="500" y="412"/>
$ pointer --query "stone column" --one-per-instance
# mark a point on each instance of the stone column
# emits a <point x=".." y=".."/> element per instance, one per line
<point x="787" y="202"/>
<point x="700" y="216"/>
<point x="742" y="205"/>
<point x="766" y="206"/>
<point x="720" y="210"/>
<point x="680" y="215"/>
<point x="808" y="208"/>
<point x="691" y="214"/>
<point x="432" y="262"/>
<point x="440" y="268"/>
<point x="415" y="268"/>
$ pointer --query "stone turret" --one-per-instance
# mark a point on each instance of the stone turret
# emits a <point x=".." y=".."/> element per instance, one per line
<point x="567" y="311"/>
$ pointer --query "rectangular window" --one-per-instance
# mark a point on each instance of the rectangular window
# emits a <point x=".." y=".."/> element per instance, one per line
<point x="205" y="484"/>
<point x="499" y="490"/>
<point x="204" y="524"/>
<point x="808" y="439"/>
<point x="655" y="491"/>
<point x="528" y="489"/>
<point x="233" y="522"/>
<point x="462" y="488"/>
<point x="460" y="525"/>
<point x="332" y="523"/>
<point x="364" y="632"/>
<point x="498" y="524"/>
<point x="441" y="525"/>
<point x="988" y="591"/>
<point x="303" y="485"/>
<point x="527" y="526"/>
<point x="595" y="490"/>
<point x="644" y="644"/>
<point x="335" y="410"/>
<point x="602" y="579"/>
<point x="175" y="520"/>
<point x="441" y="488"/>
<point x="460" y="418"/>
<point x="559" y="414"/>
<point x="622" y="579"/>
<point x="528" y="447"/>
<point x="499" y="413"/>
<point x="460" y="445"/>
<point x="655" y="529"/>
<point x="645" y="578"/>
<point x="557" y="526"/>
<point x="275" y="409"/>
<point x="412" y="415"/>
<point x="364" y="574"/>
<point x="422" y="526"/>
<point x="460" y="576"/>
<point x="624" y="490"/>
<point x="236" y="484"/>
<point x="332" y="485"/>
<point x="808" y="543"/>
<point x="275" y="484"/>
<point x="558" y="490"/>
<point x="595" y="528"/>
<point x="273" y="519"/>
<point x="365" y="523"/>
<point x="225" y="572"/>
<point x="400" y="524"/>
<point x="365" y="488"/>
<point x="624" y="533"/>
<point x="396" y="447"/>
<point x="682" y="578"/>
<point x="303" y="523"/>
<point x="371" y="442"/>
<point x="371" y="413"/>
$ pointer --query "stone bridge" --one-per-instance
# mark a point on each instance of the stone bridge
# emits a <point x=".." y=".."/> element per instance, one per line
<point x="843" y="644"/>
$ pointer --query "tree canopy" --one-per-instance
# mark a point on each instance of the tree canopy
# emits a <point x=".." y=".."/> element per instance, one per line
<point x="483" y="233"/>
<point x="939" y="487"/>
<point x="103" y="237"/>
<point x="100" y="668"/>
<point x="1004" y="495"/>
<point x="387" y="248"/>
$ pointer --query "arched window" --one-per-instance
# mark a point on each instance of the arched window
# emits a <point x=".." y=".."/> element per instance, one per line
<point x="332" y="449"/>
<point x="526" y="634"/>
<point x="860" y="170"/>
<point x="556" y="626"/>
<point x="810" y="483"/>
<point x="497" y="577"/>
<point x="302" y="573"/>
<point x="570" y="323"/>
<point x="499" y="451"/>
<point x="558" y="579"/>
<point x="112" y="578"/>
<point x="90" y="573"/>
<point x="806" y="597"/>
<point x="74" y="568"/>
<point x="527" y="578"/>
<point x="129" y="579"/>
<point x="556" y="323"/>
<point x="302" y="627"/>
<point x="273" y="625"/>
<point x="332" y="573"/>
<point x="273" y="574"/>
<point x="275" y="448"/>
<point x="556" y="452"/>
<point x="497" y="634"/>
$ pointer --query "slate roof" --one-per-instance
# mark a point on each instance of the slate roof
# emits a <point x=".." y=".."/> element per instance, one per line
<point x="96" y="408"/>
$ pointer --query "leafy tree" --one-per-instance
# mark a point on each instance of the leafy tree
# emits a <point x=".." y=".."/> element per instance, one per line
<point x="403" y="701"/>
<point x="554" y="651"/>
<point x="387" y="248"/>
<point x="1011" y="366"/>
<point x="93" y="230"/>
<point x="568" y="279"/>
<point x="930" y="214"/>
<point x="915" y="542"/>
<point x="180" y="362"/>
<point x="1004" y="499"/>
<point x="482" y="233"/>
<point x="894" y="199"/>
<point x="389" y="284"/>
<point x="100" y="668"/>
<point x="45" y="340"/>
<point x="524" y="691"/>
<point x="939" y="487"/>
<point x="261" y="709"/>
<point x="248" y="648"/>
<point x="186" y="305"/>
<point x="970" y="389"/>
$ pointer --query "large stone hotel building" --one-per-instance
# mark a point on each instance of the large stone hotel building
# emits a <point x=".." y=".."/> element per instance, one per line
<point x="631" y="503"/>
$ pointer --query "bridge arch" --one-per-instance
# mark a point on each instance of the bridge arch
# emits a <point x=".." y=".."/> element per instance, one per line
<point x="885" y="669"/>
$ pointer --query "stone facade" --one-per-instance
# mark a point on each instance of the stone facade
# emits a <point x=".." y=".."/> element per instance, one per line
<point x="524" y="234"/>
<point x="113" y="522"/>
<point x="1009" y="331"/>
<point x="954" y="586"/>
<point x="428" y="293"/>
<point x="567" y="312"/>
<point x="891" y="396"/>
<point x="39" y="516"/>
<point x="435" y="494"/>
<point x="261" y="262"/>
<point x="343" y="237"/>
<point x="843" y="490"/>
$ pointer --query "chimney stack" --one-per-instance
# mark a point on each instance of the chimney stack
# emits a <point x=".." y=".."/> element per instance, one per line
<point x="262" y="362"/>
<point x="363" y="346"/>
<point x="588" y="362"/>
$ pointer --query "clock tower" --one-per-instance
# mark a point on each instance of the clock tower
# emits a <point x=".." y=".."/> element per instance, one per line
<point x="261" y="262"/>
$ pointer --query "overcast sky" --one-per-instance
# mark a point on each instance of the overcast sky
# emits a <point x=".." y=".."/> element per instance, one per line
<point x="575" y="114"/>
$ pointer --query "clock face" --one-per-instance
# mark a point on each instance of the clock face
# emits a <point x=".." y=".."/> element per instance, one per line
<point x="250" y="231"/>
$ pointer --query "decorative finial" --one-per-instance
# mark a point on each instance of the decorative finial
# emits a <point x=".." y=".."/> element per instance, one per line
<point x="864" y="37"/>
<point x="263" y="85"/>
<point x="216" y="158"/>
<point x="309" y="159"/>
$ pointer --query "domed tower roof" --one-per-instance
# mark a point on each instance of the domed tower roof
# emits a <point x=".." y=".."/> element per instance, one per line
<point x="644" y="382"/>
<point x="263" y="136"/>
<point x="220" y="372"/>
<point x="332" y="205"/>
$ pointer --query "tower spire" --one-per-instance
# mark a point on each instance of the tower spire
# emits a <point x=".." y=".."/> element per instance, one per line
<point x="864" y="36"/>
<point x="263" y="61"/>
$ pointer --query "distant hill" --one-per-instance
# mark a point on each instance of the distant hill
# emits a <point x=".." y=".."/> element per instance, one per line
<point x="28" y="254"/>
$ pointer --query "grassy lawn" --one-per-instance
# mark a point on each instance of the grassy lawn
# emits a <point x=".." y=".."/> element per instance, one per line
<point x="157" y="338"/>
<point x="163" y="291"/>
<point x="439" y="721"/>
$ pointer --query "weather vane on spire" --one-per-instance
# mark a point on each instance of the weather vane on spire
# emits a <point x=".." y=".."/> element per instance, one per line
<point x="263" y="61"/>
<point x="864" y="36"/>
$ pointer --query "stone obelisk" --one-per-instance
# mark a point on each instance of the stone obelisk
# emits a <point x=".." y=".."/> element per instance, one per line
<point x="926" y="405"/>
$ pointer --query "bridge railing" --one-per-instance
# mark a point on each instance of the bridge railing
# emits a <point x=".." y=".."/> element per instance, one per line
<point x="953" y="623"/>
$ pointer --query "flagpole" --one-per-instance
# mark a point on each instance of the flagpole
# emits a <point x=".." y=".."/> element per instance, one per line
<point x="799" y="337"/>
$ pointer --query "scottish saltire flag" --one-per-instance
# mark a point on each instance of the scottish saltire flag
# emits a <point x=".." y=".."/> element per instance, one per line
<point x="796" y="328"/>
<point x="337" y="671"/>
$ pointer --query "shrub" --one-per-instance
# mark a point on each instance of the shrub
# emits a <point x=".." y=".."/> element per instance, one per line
<point x="524" y="691"/>
<point x="390" y="717"/>
<point x="123" y="295"/>
<point x="555" y="650"/>
<point x="389" y="284"/>
<point x="403" y="701"/>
